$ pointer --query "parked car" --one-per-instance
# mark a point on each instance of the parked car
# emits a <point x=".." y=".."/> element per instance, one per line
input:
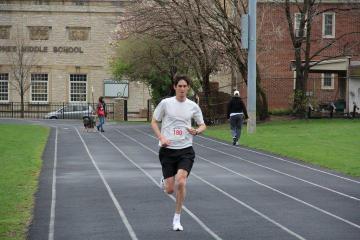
<point x="72" y="111"/>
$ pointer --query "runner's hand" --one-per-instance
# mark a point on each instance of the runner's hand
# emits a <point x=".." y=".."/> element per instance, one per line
<point x="164" y="141"/>
<point x="192" y="131"/>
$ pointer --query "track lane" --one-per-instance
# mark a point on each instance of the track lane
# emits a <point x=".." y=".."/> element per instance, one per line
<point x="338" y="205"/>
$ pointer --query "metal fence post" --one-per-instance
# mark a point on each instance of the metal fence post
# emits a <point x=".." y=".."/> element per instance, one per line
<point x="148" y="110"/>
<point x="125" y="111"/>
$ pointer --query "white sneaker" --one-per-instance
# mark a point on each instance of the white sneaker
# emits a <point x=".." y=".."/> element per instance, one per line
<point x="162" y="183"/>
<point x="177" y="226"/>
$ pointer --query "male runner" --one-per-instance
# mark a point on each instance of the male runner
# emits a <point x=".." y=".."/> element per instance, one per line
<point x="175" y="140"/>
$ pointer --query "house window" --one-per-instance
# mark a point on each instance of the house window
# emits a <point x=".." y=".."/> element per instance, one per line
<point x="327" y="81"/>
<point x="78" y="33"/>
<point x="5" y="32"/>
<point x="79" y="2"/>
<point x="78" y="88"/>
<point x="39" y="87"/>
<point x="4" y="87"/>
<point x="328" y="25"/>
<point x="39" y="32"/>
<point x="297" y="20"/>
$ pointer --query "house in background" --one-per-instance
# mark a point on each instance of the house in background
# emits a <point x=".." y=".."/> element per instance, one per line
<point x="335" y="79"/>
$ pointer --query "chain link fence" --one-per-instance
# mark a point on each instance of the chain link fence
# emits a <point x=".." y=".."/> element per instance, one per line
<point x="324" y="98"/>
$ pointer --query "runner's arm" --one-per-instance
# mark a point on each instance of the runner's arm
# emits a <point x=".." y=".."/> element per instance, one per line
<point x="154" y="124"/>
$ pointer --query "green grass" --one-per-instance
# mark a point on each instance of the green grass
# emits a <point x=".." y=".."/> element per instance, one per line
<point x="21" y="148"/>
<point x="331" y="143"/>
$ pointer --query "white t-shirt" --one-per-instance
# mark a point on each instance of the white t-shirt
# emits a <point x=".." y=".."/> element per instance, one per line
<point x="175" y="118"/>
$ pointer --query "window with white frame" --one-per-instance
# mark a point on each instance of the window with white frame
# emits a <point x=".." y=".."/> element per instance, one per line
<point x="327" y="81"/>
<point x="4" y="87"/>
<point x="78" y="89"/>
<point x="328" y="28"/>
<point x="297" y="20"/>
<point x="39" y="87"/>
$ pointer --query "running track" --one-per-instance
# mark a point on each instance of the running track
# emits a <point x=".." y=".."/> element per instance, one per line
<point x="105" y="186"/>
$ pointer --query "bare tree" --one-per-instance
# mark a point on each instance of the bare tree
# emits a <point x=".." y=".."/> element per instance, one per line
<point x="21" y="63"/>
<point x="224" y="19"/>
<point x="177" y="22"/>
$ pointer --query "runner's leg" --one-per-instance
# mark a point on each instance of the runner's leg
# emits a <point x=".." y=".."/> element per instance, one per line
<point x="181" y="177"/>
<point x="169" y="185"/>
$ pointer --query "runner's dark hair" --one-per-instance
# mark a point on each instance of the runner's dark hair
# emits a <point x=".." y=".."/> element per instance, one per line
<point x="181" y="77"/>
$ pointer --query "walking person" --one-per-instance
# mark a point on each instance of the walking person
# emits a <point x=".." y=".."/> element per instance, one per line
<point x="236" y="112"/>
<point x="176" y="153"/>
<point x="101" y="112"/>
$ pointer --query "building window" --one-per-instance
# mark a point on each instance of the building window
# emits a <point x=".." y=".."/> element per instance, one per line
<point x="328" y="25"/>
<point x="78" y="33"/>
<point x="39" y="32"/>
<point x="39" y="87"/>
<point x="327" y="81"/>
<point x="41" y="2"/>
<point x="80" y="2"/>
<point x="297" y="20"/>
<point x="78" y="89"/>
<point x="4" y="87"/>
<point x="5" y="32"/>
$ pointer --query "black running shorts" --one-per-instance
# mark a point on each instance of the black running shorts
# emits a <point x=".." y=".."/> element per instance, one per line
<point x="174" y="159"/>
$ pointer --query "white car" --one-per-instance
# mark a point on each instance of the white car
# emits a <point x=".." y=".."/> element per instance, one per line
<point x="72" y="111"/>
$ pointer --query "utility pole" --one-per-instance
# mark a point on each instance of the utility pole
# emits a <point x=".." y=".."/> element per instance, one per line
<point x="251" y="90"/>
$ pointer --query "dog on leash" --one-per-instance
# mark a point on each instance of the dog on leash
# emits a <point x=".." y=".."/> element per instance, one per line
<point x="89" y="123"/>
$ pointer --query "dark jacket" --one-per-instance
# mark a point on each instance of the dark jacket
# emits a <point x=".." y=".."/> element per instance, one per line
<point x="236" y="105"/>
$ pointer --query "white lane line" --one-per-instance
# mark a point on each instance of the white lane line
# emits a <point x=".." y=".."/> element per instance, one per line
<point x="201" y="223"/>
<point x="53" y="190"/>
<point x="282" y="173"/>
<point x="115" y="201"/>
<point x="282" y="159"/>
<point x="275" y="190"/>
<point x="226" y="194"/>
<point x="251" y="208"/>
<point x="272" y="169"/>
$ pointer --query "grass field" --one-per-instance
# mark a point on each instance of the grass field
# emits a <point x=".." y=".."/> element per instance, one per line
<point x="331" y="143"/>
<point x="21" y="147"/>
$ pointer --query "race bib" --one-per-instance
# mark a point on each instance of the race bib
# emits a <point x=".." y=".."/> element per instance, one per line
<point x="178" y="133"/>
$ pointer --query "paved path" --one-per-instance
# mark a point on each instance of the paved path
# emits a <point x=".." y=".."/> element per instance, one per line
<point x="105" y="186"/>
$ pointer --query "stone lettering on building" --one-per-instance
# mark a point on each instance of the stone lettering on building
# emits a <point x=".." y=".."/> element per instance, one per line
<point x="42" y="49"/>
<point x="34" y="49"/>
<point x="67" y="50"/>
<point x="8" y="48"/>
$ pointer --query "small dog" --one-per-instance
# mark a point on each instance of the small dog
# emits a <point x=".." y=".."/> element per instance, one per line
<point x="89" y="123"/>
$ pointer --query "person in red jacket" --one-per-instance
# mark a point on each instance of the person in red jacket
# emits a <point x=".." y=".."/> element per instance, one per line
<point x="101" y="112"/>
<point x="236" y="112"/>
